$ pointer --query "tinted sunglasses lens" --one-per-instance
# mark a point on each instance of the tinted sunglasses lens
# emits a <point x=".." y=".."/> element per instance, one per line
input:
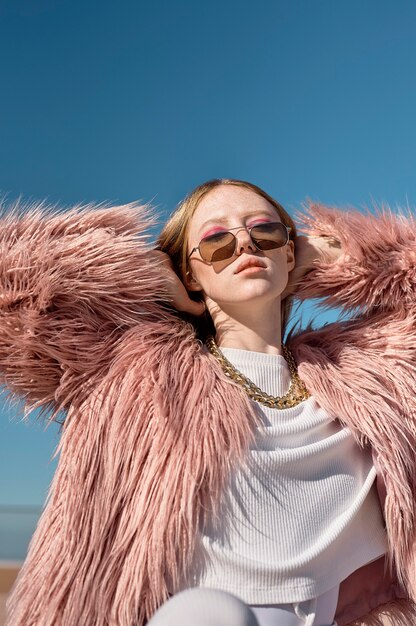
<point x="270" y="235"/>
<point x="217" y="247"/>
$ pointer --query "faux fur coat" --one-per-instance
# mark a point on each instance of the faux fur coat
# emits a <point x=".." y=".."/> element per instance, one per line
<point x="153" y="427"/>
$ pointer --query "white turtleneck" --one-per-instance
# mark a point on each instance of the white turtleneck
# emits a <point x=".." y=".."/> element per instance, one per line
<point x="303" y="513"/>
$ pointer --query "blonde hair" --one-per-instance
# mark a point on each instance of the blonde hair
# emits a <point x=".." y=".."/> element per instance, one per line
<point x="174" y="237"/>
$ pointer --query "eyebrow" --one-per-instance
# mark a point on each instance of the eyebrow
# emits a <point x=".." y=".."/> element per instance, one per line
<point x="224" y="220"/>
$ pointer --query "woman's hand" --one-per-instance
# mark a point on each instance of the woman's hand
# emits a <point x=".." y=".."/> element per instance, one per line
<point x="308" y="251"/>
<point x="179" y="297"/>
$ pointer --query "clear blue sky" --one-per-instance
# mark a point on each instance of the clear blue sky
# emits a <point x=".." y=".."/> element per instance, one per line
<point x="124" y="100"/>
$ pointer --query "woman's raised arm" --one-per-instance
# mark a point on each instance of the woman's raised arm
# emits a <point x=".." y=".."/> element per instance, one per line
<point x="71" y="283"/>
<point x="376" y="269"/>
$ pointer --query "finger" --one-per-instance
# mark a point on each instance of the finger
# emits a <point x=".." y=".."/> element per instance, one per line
<point x="195" y="308"/>
<point x="186" y="305"/>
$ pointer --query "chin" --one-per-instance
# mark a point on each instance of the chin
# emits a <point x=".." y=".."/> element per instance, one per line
<point x="259" y="289"/>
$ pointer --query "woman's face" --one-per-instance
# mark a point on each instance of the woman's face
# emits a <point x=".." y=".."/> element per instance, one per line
<point x="233" y="281"/>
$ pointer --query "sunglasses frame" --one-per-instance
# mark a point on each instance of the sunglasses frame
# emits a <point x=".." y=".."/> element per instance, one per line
<point x="248" y="229"/>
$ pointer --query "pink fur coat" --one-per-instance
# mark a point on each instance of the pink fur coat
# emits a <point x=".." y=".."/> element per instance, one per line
<point x="153" y="427"/>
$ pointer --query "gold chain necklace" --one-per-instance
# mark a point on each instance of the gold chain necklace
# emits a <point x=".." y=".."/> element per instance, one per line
<point x="297" y="390"/>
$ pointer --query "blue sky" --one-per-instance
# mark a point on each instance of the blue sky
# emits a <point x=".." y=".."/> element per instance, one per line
<point x="106" y="101"/>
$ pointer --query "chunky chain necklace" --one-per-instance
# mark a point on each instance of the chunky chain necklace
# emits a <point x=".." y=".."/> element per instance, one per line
<point x="297" y="390"/>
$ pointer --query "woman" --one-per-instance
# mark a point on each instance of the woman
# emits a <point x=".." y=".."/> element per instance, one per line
<point x="171" y="475"/>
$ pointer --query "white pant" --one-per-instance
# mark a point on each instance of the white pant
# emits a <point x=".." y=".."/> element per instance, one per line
<point x="316" y="612"/>
<point x="210" y="607"/>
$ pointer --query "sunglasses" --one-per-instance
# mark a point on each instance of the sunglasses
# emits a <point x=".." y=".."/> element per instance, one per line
<point x="221" y="246"/>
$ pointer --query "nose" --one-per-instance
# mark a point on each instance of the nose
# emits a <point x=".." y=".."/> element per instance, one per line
<point x="244" y="242"/>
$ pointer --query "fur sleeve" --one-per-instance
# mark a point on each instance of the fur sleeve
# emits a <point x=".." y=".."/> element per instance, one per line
<point x="71" y="283"/>
<point x="377" y="269"/>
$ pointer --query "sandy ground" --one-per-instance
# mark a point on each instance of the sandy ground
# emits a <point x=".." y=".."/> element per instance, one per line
<point x="8" y="573"/>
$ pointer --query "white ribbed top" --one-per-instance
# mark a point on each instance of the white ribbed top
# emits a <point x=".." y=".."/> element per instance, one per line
<point x="303" y="513"/>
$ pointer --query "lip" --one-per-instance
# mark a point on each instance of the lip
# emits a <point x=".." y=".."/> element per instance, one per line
<point x="249" y="263"/>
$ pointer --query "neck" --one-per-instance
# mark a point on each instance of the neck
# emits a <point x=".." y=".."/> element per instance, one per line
<point x="256" y="329"/>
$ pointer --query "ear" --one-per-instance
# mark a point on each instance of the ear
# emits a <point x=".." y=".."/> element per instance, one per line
<point x="191" y="283"/>
<point x="290" y="255"/>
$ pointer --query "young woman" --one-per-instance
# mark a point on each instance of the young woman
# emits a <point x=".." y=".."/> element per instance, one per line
<point x="206" y="461"/>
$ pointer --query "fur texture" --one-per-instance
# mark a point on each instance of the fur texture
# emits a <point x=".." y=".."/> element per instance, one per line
<point x="71" y="284"/>
<point x="154" y="427"/>
<point x="400" y="613"/>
